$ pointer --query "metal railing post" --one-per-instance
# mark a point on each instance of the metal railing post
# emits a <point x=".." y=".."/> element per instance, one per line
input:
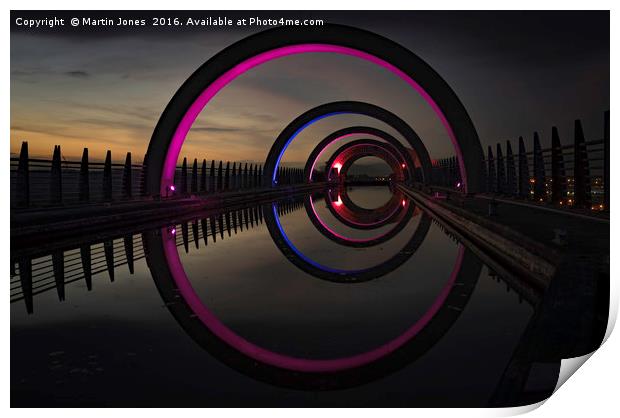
<point x="511" y="171"/>
<point x="220" y="179"/>
<point x="212" y="177"/>
<point x="56" y="178"/>
<point x="22" y="190"/>
<point x="582" y="188"/>
<point x="539" y="171"/>
<point x="492" y="178"/>
<point x="501" y="171"/>
<point x="83" y="180"/>
<point x="143" y="177"/>
<point x="233" y="178"/>
<point x="558" y="174"/>
<point x="184" y="176"/>
<point x="524" y="171"/>
<point x="126" y="182"/>
<point x="203" y="176"/>
<point x="194" y="187"/>
<point x="227" y="177"/>
<point x="107" y="176"/>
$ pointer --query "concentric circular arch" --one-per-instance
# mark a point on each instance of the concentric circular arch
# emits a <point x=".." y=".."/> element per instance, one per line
<point x="224" y="67"/>
<point x="348" y="132"/>
<point x="352" y="151"/>
<point x="345" y="107"/>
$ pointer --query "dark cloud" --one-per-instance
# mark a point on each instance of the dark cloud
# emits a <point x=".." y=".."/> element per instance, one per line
<point x="77" y="74"/>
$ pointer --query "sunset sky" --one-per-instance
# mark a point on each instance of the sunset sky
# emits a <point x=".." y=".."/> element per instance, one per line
<point x="515" y="72"/>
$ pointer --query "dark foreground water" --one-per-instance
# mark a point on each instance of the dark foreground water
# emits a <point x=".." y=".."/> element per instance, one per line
<point x="303" y="302"/>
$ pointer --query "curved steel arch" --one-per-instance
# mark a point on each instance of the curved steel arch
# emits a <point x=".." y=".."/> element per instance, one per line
<point x="354" y="150"/>
<point x="182" y="110"/>
<point x="355" y="130"/>
<point x="313" y="115"/>
<point x="397" y="170"/>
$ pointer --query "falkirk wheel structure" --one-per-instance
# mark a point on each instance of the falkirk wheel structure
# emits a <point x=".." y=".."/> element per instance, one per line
<point x="408" y="160"/>
<point x="224" y="67"/>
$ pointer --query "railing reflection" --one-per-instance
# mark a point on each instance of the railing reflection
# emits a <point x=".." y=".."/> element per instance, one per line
<point x="32" y="275"/>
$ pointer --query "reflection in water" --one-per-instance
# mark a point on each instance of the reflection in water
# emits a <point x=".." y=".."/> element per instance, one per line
<point x="400" y="308"/>
<point x="310" y="266"/>
<point x="32" y="275"/>
<point x="397" y="211"/>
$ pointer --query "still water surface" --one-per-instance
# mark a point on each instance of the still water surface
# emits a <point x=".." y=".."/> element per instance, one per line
<point x="120" y="345"/>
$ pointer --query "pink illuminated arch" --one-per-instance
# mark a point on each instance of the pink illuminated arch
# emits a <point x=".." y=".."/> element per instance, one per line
<point x="202" y="86"/>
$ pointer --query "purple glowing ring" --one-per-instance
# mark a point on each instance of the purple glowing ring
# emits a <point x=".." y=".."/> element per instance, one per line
<point x="330" y="274"/>
<point x="367" y="218"/>
<point x="215" y="74"/>
<point x="209" y="319"/>
<point x="382" y="150"/>
<point x="162" y="155"/>
<point x="400" y="218"/>
<point x="301" y="373"/>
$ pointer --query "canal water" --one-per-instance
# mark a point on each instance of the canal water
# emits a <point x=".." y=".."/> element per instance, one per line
<point x="352" y="297"/>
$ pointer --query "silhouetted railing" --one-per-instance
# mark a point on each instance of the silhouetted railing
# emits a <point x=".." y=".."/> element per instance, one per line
<point x="39" y="182"/>
<point x="575" y="175"/>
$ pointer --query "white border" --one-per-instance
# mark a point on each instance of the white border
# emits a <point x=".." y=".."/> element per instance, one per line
<point x="592" y="391"/>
